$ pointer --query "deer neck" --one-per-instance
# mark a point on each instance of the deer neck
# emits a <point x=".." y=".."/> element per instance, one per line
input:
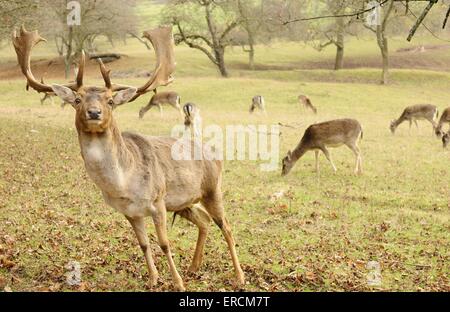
<point x="299" y="151"/>
<point x="106" y="157"/>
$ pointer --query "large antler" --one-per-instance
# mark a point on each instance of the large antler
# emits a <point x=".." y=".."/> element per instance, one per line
<point x="163" y="44"/>
<point x="23" y="44"/>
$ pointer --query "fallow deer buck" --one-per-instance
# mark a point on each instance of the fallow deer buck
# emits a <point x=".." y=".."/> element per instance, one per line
<point x="136" y="174"/>
<point x="305" y="103"/>
<point x="258" y="103"/>
<point x="416" y="112"/>
<point x="192" y="119"/>
<point x="445" y="119"/>
<point x="160" y="99"/>
<point x="319" y="136"/>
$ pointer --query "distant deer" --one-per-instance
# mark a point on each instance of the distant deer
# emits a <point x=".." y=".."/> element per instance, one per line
<point x="259" y="103"/>
<point x="319" y="136"/>
<point x="445" y="119"/>
<point x="160" y="99"/>
<point x="305" y="103"/>
<point x="446" y="139"/>
<point x="137" y="174"/>
<point x="192" y="119"/>
<point x="414" y="113"/>
<point x="47" y="96"/>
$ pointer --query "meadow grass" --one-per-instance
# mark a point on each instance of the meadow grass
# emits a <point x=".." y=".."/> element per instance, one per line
<point x="319" y="237"/>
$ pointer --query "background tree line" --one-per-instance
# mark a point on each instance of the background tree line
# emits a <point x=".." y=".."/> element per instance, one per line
<point x="213" y="26"/>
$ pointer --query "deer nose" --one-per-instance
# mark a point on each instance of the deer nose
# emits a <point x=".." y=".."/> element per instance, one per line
<point x="94" y="113"/>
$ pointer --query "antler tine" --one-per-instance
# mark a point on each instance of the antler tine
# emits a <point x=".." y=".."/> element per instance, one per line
<point x="23" y="44"/>
<point x="80" y="74"/>
<point x="163" y="44"/>
<point x="105" y="74"/>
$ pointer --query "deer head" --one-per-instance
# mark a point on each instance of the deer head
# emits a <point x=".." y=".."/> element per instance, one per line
<point x="393" y="126"/>
<point x="94" y="105"/>
<point x="287" y="164"/>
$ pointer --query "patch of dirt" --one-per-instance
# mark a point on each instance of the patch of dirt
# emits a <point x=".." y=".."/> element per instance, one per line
<point x="420" y="57"/>
<point x="55" y="70"/>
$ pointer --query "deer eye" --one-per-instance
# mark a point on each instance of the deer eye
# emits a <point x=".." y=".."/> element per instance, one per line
<point x="77" y="101"/>
<point x="111" y="102"/>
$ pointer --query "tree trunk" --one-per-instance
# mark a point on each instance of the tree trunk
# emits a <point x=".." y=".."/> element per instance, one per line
<point x="339" y="63"/>
<point x="382" y="41"/>
<point x="220" y="58"/>
<point x="251" y="44"/>
<point x="68" y="56"/>
<point x="251" y="58"/>
<point x="384" y="49"/>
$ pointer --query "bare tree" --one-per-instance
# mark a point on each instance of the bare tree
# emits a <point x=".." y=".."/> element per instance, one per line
<point x="15" y="12"/>
<point x="110" y="18"/>
<point x="323" y="33"/>
<point x="210" y="31"/>
<point x="251" y="15"/>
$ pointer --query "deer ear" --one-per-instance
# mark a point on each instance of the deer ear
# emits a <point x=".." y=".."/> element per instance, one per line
<point x="124" y="96"/>
<point x="66" y="94"/>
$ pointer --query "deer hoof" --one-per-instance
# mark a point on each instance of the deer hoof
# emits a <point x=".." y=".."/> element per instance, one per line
<point x="179" y="287"/>
<point x="153" y="281"/>
<point x="240" y="280"/>
<point x="194" y="268"/>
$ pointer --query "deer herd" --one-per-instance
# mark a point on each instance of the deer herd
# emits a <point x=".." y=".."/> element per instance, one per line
<point x="137" y="175"/>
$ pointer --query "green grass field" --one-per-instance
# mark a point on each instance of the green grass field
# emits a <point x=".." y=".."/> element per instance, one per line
<point x="320" y="237"/>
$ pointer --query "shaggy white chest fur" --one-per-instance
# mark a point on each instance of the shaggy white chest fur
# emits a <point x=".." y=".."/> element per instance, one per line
<point x="101" y="166"/>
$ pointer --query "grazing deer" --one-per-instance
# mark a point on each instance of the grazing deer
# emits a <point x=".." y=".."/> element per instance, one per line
<point x="305" y="103"/>
<point x="192" y="119"/>
<point x="414" y="113"/>
<point x="445" y="118"/>
<point x="259" y="103"/>
<point x="446" y="139"/>
<point x="319" y="136"/>
<point x="159" y="99"/>
<point x="136" y="174"/>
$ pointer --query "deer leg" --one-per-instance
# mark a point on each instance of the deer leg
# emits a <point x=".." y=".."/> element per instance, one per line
<point x="144" y="110"/>
<point x="180" y="111"/>
<point x="160" y="110"/>
<point x="214" y="206"/>
<point x="199" y="217"/>
<point x="357" y="152"/>
<point x="44" y="98"/>
<point x="138" y="225"/>
<point x="328" y="156"/>
<point x="317" y="161"/>
<point x="159" y="216"/>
